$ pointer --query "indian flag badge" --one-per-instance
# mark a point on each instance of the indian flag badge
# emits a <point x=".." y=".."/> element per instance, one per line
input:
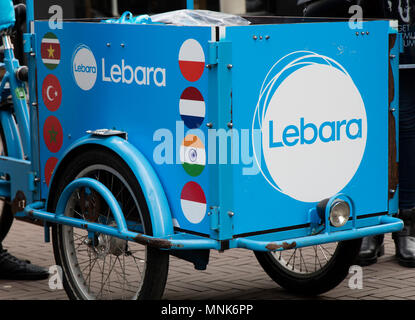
<point x="193" y="155"/>
<point x="50" y="51"/>
<point x="193" y="202"/>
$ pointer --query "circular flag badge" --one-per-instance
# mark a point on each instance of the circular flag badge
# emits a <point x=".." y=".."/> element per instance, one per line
<point x="193" y="155"/>
<point x="49" y="168"/>
<point x="192" y="60"/>
<point x="193" y="202"/>
<point x="52" y="92"/>
<point x="50" y="51"/>
<point x="53" y="134"/>
<point x="192" y="108"/>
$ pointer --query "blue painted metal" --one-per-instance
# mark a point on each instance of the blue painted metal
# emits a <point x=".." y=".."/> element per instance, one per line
<point x="4" y="189"/>
<point x="259" y="206"/>
<point x="7" y="18"/>
<point x="387" y="224"/>
<point x="139" y="110"/>
<point x="17" y="136"/>
<point x="176" y="242"/>
<point x="30" y="13"/>
<point x="223" y="79"/>
<point x="14" y="147"/>
<point x="190" y="242"/>
<point x="19" y="99"/>
<point x="190" y="4"/>
<point x="104" y="193"/>
<point x="153" y="190"/>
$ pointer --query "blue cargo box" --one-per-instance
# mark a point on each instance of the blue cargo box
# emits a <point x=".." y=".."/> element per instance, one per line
<point x="247" y="127"/>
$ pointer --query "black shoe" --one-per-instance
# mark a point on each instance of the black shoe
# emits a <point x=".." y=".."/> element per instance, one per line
<point x="372" y="247"/>
<point x="12" y="268"/>
<point x="405" y="239"/>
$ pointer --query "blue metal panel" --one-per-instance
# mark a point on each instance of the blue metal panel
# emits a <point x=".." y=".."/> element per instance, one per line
<point x="147" y="110"/>
<point x="190" y="4"/>
<point x="259" y="202"/>
<point x="7" y="18"/>
<point x="14" y="147"/>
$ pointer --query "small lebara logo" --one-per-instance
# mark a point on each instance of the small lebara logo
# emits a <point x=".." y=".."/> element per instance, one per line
<point x="84" y="67"/>
<point x="313" y="124"/>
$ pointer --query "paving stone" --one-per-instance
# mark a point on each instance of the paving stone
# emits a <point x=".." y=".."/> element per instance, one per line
<point x="232" y="275"/>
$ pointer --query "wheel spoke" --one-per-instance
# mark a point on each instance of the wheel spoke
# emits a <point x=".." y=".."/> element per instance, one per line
<point x="304" y="260"/>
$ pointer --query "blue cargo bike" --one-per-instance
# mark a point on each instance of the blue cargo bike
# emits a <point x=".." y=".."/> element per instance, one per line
<point x="132" y="140"/>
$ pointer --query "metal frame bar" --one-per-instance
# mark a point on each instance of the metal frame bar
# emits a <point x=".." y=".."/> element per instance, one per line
<point x="20" y="106"/>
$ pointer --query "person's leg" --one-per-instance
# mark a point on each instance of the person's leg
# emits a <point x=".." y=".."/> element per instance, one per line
<point x="405" y="239"/>
<point x="12" y="268"/>
<point x="371" y="248"/>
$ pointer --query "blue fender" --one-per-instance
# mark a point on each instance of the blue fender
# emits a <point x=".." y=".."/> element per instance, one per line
<point x="151" y="186"/>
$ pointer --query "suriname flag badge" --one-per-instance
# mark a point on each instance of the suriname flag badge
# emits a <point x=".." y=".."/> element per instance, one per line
<point x="50" y="51"/>
<point x="193" y="155"/>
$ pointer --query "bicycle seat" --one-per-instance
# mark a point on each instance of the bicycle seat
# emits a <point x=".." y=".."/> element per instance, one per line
<point x="7" y="16"/>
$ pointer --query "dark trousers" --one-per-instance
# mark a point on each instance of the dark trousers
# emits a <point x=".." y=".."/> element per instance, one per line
<point x="407" y="139"/>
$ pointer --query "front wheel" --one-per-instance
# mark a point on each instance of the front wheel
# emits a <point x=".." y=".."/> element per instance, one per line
<point x="97" y="266"/>
<point x="310" y="270"/>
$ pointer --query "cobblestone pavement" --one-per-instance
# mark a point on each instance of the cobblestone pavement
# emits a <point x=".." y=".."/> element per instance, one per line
<point x="234" y="274"/>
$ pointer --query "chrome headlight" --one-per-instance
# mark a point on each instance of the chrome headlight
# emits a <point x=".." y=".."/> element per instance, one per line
<point x="339" y="213"/>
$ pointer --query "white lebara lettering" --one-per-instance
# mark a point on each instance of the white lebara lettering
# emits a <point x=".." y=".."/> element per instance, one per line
<point x="104" y="77"/>
<point x="130" y="72"/>
<point x="141" y="80"/>
<point x="328" y="131"/>
<point x="142" y="76"/>
<point x="115" y="71"/>
<point x="162" y="73"/>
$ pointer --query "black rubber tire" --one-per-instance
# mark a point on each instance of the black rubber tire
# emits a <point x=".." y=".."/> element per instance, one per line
<point x="6" y="215"/>
<point x="155" y="276"/>
<point x="325" y="279"/>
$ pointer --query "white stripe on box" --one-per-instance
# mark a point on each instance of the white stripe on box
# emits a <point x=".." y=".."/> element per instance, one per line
<point x="48" y="40"/>
<point x="191" y="51"/>
<point x="201" y="155"/>
<point x="192" y="108"/>
<point x="193" y="211"/>
<point x="51" y="61"/>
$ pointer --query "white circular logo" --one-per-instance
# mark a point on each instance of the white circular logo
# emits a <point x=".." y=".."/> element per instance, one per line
<point x="313" y="124"/>
<point x="84" y="68"/>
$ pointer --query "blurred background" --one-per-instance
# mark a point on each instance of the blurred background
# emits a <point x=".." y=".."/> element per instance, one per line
<point x="111" y="8"/>
<point x="402" y="10"/>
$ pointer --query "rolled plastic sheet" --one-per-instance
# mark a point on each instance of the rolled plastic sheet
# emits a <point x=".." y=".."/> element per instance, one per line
<point x="187" y="17"/>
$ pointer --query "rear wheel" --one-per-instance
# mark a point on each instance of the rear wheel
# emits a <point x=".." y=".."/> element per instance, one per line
<point x="6" y="215"/>
<point x="97" y="266"/>
<point x="310" y="270"/>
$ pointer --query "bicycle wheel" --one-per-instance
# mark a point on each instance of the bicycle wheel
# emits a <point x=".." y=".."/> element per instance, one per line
<point x="6" y="215"/>
<point x="99" y="266"/>
<point x="310" y="270"/>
